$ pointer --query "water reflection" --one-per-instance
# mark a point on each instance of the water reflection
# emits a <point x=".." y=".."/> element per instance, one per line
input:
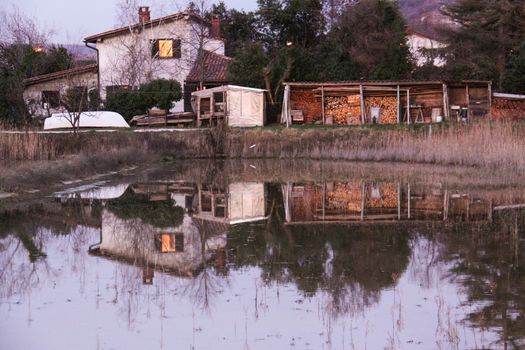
<point x="380" y="264"/>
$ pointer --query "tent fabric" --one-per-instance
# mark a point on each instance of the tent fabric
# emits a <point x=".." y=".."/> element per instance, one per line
<point x="99" y="119"/>
<point x="245" y="106"/>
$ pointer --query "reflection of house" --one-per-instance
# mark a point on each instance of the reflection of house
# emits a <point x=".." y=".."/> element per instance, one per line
<point x="379" y="201"/>
<point x="394" y="102"/>
<point x="155" y="238"/>
<point x="183" y="250"/>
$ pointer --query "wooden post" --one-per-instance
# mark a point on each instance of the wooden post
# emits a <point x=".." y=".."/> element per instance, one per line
<point x="468" y="102"/>
<point x="399" y="200"/>
<point x="324" y="200"/>
<point x="398" y="105"/>
<point x="322" y="104"/>
<point x="490" y="99"/>
<point x="199" y="122"/>
<point x="445" y="206"/>
<point x="362" y="97"/>
<point x="409" y="199"/>
<point x="363" y="202"/>
<point x="408" y="106"/>
<point x="446" y="109"/>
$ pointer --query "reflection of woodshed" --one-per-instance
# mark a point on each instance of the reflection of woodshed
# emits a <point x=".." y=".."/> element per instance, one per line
<point x="382" y="195"/>
<point x="345" y="197"/>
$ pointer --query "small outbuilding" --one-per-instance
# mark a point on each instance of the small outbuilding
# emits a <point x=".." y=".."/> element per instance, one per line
<point x="385" y="102"/>
<point x="239" y="106"/>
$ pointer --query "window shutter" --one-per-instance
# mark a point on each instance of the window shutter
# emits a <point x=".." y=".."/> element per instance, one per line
<point x="155" y="49"/>
<point x="177" y="50"/>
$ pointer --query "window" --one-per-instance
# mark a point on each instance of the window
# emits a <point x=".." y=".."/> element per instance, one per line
<point x="166" y="48"/>
<point x="51" y="98"/>
<point x="170" y="242"/>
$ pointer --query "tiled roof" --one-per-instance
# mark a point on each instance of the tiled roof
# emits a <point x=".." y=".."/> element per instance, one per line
<point x="90" y="68"/>
<point x="150" y="24"/>
<point x="215" y="68"/>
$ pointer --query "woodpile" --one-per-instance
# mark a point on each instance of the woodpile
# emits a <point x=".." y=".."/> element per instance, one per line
<point x="384" y="195"/>
<point x="503" y="108"/>
<point x="346" y="110"/>
<point x="388" y="107"/>
<point x="345" y="196"/>
<point x="306" y="101"/>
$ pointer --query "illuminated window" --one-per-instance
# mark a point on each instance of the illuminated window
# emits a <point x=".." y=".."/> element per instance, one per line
<point x="166" y="48"/>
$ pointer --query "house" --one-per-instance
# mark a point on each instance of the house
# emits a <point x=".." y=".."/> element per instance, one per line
<point x="43" y="93"/>
<point x="182" y="46"/>
<point x="238" y="106"/>
<point x="385" y="102"/>
<point x="423" y="48"/>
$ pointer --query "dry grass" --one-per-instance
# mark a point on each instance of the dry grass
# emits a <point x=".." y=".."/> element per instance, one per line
<point x="487" y="147"/>
<point x="495" y="145"/>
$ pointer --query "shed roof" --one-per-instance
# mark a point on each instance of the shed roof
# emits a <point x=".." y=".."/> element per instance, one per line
<point x="403" y="83"/>
<point x="215" y="68"/>
<point x="203" y="93"/>
<point x="90" y="68"/>
<point x="154" y="22"/>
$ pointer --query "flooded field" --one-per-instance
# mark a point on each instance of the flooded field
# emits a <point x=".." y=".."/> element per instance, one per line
<point x="234" y="260"/>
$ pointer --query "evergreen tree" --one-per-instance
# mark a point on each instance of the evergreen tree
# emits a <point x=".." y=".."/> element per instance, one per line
<point x="372" y="34"/>
<point x="489" y="33"/>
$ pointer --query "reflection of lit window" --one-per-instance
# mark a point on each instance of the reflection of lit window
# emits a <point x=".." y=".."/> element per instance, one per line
<point x="170" y="242"/>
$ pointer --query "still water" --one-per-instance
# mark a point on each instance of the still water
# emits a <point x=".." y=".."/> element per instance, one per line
<point x="173" y="261"/>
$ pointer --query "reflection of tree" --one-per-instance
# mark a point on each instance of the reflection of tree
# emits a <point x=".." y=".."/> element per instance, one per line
<point x="138" y="206"/>
<point x="209" y="282"/>
<point x="488" y="262"/>
<point x="352" y="263"/>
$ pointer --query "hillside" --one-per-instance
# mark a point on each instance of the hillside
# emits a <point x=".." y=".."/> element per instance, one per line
<point x="425" y="15"/>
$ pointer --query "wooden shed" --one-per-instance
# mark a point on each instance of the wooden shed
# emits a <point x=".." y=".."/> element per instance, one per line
<point x="385" y="102"/>
<point x="239" y="106"/>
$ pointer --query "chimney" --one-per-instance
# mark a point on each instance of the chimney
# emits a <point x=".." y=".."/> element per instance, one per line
<point x="216" y="28"/>
<point x="144" y="16"/>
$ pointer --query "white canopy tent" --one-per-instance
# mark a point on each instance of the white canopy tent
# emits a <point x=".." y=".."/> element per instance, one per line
<point x="239" y="106"/>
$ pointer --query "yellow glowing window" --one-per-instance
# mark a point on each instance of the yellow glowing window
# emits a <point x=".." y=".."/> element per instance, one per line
<point x="165" y="48"/>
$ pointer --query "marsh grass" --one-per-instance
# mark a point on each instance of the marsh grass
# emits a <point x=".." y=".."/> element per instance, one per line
<point x="495" y="145"/>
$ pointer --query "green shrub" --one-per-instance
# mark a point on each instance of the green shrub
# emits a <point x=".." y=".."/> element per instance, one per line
<point x="161" y="93"/>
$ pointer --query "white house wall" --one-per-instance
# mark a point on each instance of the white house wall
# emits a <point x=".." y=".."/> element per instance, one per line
<point x="117" y="53"/>
<point x="418" y="43"/>
<point x="33" y="93"/>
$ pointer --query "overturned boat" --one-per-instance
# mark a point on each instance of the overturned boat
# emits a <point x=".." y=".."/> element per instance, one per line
<point x="98" y="119"/>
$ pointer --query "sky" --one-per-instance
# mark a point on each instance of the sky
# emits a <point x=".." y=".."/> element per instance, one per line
<point x="72" y="20"/>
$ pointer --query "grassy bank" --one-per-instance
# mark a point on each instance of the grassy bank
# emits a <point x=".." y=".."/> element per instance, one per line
<point x="31" y="157"/>
<point x="495" y="145"/>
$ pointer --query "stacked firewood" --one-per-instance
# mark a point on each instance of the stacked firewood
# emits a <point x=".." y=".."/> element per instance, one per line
<point x="386" y="198"/>
<point x="506" y="108"/>
<point x="345" y="196"/>
<point x="345" y="109"/>
<point x="305" y="100"/>
<point x="388" y="107"/>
